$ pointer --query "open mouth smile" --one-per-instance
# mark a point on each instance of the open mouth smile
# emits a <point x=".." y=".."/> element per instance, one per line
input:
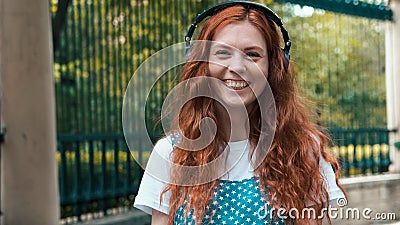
<point x="236" y="84"/>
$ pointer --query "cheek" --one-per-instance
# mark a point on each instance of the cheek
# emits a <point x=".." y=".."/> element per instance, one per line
<point x="260" y="76"/>
<point x="263" y="66"/>
<point x="263" y="73"/>
<point x="259" y="71"/>
<point x="215" y="70"/>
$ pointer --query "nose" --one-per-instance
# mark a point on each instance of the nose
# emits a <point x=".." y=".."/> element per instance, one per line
<point x="237" y="64"/>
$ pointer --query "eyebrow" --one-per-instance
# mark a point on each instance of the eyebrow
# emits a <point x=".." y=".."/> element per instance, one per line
<point x="226" y="46"/>
<point x="221" y="45"/>
<point x="255" y="47"/>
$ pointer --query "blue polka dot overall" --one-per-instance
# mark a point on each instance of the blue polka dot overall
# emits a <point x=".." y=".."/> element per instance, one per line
<point x="234" y="203"/>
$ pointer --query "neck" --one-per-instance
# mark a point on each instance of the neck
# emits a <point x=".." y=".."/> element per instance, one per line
<point x="235" y="124"/>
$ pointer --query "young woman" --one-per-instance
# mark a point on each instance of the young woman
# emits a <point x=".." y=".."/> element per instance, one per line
<point x="270" y="175"/>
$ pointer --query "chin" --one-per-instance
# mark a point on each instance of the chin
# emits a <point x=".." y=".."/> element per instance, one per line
<point x="233" y="103"/>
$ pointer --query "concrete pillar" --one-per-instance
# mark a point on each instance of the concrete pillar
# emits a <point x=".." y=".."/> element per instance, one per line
<point x="28" y="165"/>
<point x="393" y="82"/>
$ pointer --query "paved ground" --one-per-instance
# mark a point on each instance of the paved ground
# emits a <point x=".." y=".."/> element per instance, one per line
<point x="380" y="198"/>
<point x="378" y="195"/>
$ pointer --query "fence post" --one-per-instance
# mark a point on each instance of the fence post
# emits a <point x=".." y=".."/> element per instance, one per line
<point x="29" y="168"/>
<point x="392" y="81"/>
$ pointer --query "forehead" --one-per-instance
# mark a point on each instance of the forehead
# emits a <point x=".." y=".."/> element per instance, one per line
<point x="240" y="34"/>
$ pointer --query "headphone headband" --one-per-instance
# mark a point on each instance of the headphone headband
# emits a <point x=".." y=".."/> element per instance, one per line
<point x="268" y="13"/>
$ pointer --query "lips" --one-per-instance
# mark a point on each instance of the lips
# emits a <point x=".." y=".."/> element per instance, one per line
<point x="236" y="84"/>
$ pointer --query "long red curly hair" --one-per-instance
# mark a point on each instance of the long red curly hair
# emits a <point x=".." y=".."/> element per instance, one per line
<point x="290" y="172"/>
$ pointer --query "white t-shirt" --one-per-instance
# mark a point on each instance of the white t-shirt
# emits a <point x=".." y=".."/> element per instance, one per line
<point x="152" y="185"/>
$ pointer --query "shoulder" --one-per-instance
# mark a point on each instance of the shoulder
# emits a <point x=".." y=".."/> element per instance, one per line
<point x="155" y="179"/>
<point x="164" y="147"/>
<point x="160" y="160"/>
<point x="327" y="173"/>
<point x="325" y="167"/>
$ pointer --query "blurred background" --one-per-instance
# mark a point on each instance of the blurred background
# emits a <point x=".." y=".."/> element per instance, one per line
<point x="341" y="50"/>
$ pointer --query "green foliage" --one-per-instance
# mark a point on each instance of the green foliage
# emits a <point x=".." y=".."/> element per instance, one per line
<point x="340" y="65"/>
<point x="102" y="44"/>
<point x="339" y="60"/>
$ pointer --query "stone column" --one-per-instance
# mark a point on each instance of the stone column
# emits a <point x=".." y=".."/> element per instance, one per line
<point x="28" y="161"/>
<point x="393" y="82"/>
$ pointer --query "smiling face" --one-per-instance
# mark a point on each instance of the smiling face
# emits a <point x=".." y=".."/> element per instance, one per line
<point x="238" y="57"/>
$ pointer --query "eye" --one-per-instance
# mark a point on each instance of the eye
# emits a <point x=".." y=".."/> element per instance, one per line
<point x="222" y="52"/>
<point x="253" y="54"/>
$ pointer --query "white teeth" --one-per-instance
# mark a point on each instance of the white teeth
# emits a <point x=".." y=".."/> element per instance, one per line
<point x="236" y="84"/>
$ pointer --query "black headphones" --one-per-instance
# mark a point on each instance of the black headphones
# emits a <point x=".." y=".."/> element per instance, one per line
<point x="269" y="14"/>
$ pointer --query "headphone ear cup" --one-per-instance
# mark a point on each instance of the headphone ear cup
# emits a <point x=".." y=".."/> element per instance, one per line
<point x="286" y="58"/>
<point x="187" y="52"/>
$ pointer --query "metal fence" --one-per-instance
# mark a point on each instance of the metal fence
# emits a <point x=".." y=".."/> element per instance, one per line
<point x="96" y="173"/>
<point x="101" y="44"/>
<point x="362" y="151"/>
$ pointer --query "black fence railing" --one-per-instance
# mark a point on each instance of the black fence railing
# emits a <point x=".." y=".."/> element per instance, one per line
<point x="98" y="173"/>
<point x="369" y="9"/>
<point x="362" y="151"/>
